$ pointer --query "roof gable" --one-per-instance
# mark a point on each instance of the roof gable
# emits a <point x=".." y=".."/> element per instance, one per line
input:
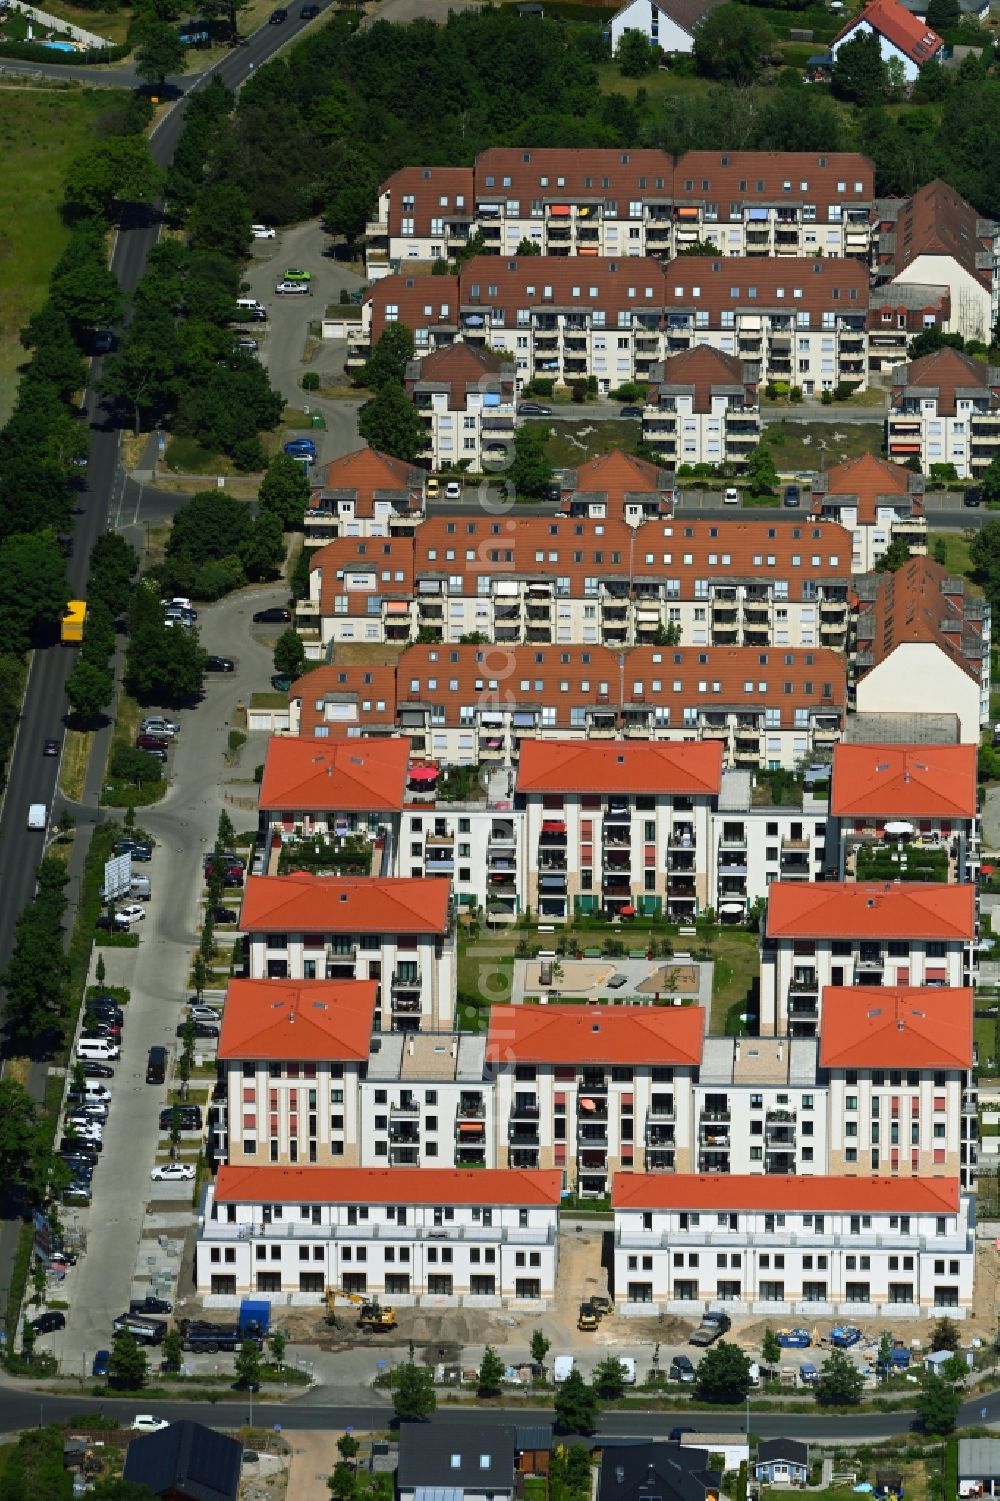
<point x="346" y="775"/>
<point x="187" y="1460"/>
<point x="907" y="33"/>
<point x="594" y="1034"/>
<point x="336" y="904"/>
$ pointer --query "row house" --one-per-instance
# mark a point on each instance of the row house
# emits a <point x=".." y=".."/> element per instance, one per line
<point x="545" y="580"/>
<point x="909" y="808"/>
<point x="702" y="408"/>
<point x="365" y="494"/>
<point x="937" y="239"/>
<point x="439" y="1238"/>
<point x="877" y="502"/>
<point x="620" y="487"/>
<point x="591" y="1089"/>
<point x="290" y="1056"/>
<point x="858" y="1247"/>
<point x="869" y="933"/>
<point x="586" y="203"/>
<point x="799" y="320"/>
<point x="945" y="409"/>
<point x="920" y="640"/>
<point x="639" y="845"/>
<point x="396" y="931"/>
<point x="466" y="398"/>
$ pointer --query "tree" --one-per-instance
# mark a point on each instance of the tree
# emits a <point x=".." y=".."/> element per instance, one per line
<point x="527" y="247"/>
<point x="413" y="1395"/>
<point x="164" y="664"/>
<point x="723" y="1374"/>
<point x="939" y="551"/>
<point x="220" y="219"/>
<point x="575" y="1405"/>
<point x="699" y="247"/>
<point x="391" y="423"/>
<point x="118" y="169"/>
<point x="731" y="42"/>
<point x="540" y="1346"/>
<point x="160" y="52"/>
<point x="491" y="1371"/>
<point x="284" y="491"/>
<point x="27" y="1342"/>
<point x="531" y="468"/>
<point x="263" y="553"/>
<point x="89" y="689"/>
<point x="839" y="1383"/>
<point x="289" y="654"/>
<point x="895" y="555"/>
<point x="127" y="1366"/>
<point x="770" y="1349"/>
<point x="225" y="833"/>
<point x="761" y="473"/>
<point x="937" y="1404"/>
<point x="636" y="55"/>
<point x="990" y="480"/>
<point x="18" y="1131"/>
<point x="33" y="588"/>
<point x="343" y="1483"/>
<point x="186" y="1061"/>
<point x="348" y="1447"/>
<point x="945" y="1335"/>
<point x="859" y="74"/>
<point x="172" y="1350"/>
<point x="175" y="1131"/>
<point x="247" y="1364"/>
<point x="943" y="14"/>
<point x="390" y="357"/>
<point x="608" y="1379"/>
<point x="38" y="1280"/>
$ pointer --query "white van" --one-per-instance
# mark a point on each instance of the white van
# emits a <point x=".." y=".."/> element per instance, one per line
<point x="250" y="304"/>
<point x="561" y="1367"/>
<point x="293" y="288"/>
<point x="97" y="1049"/>
<point x="38" y="816"/>
<point x="94" y="1091"/>
<point x="627" y="1363"/>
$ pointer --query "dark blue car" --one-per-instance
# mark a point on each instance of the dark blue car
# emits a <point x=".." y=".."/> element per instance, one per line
<point x="102" y="1363"/>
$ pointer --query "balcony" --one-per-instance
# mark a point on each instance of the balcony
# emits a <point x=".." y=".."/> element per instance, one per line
<point x="520" y="1135"/>
<point x="804" y="982"/>
<point x="471" y="1107"/>
<point x="404" y="1156"/>
<point x="524" y="1108"/>
<point x="682" y="837"/>
<point x="408" y="1109"/>
<point x="659" y="1160"/>
<point x="871" y="960"/>
<point x="553" y="833"/>
<point x="405" y="1134"/>
<point x="406" y="977"/>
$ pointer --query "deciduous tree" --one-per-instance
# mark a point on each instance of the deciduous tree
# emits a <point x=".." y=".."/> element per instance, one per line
<point x="391" y="423"/>
<point x="731" y="43"/>
<point x="284" y="491"/>
<point x="160" y="52"/>
<point x="839" y="1383"/>
<point x="127" y="1367"/>
<point x="491" y="1369"/>
<point x="937" y="1404"/>
<point x="723" y="1374"/>
<point x="575" y="1405"/>
<point x="859" y="73"/>
<point x="413" y="1395"/>
<point x="289" y="654"/>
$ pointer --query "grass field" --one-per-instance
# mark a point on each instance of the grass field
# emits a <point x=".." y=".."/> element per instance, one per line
<point x="111" y="24"/>
<point x="572" y="443"/>
<point x="814" y="445"/>
<point x="42" y="132"/>
<point x="956" y="546"/>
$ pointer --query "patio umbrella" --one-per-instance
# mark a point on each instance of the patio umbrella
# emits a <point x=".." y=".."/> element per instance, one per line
<point x="627" y="911"/>
<point x="898" y="826"/>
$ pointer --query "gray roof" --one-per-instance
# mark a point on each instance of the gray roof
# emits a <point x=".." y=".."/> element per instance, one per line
<point x="454" y="1457"/>
<point x="187" y="1459"/>
<point x="533" y="1436"/>
<point x="978" y="1458"/>
<point x="655" y="1472"/>
<point x="902" y="729"/>
<point x="770" y="1449"/>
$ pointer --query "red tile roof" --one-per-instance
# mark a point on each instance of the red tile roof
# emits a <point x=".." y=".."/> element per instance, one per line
<point x="788" y="1192"/>
<point x="895" y="1027"/>
<point x="596" y="1034"/>
<point x="368" y="473"/>
<point x="363" y="696"/>
<point x="870" y="909"/>
<point x="937" y="221"/>
<point x="532" y="1189"/>
<point x="310" y="1020"/>
<point x="348" y="775"/>
<point x="903" y="781"/>
<point x="622" y="766"/>
<point x="907" y="33"/>
<point x="615" y="476"/>
<point x="922" y="601"/>
<point x="948" y="373"/>
<point x="864" y="482"/>
<point x="753" y="284"/>
<point x="463" y="367"/>
<point x="427" y="186"/>
<point x="703" y="371"/>
<point x="334" y="904"/>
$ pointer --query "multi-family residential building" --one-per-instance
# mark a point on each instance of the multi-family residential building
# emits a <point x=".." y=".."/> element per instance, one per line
<point x="894" y="933"/>
<point x="909" y="807"/>
<point x="903" y="39"/>
<point x="467" y="397"/>
<point x="342" y="788"/>
<point x="365" y="494"/>
<point x="620" y="487"/>
<point x="591" y="1089"/>
<point x="937" y="239"/>
<point x="618" y="829"/>
<point x="797" y="320"/>
<point x="625" y="203"/>
<point x="702" y="408"/>
<point x="440" y="1237"/>
<point x="290" y="1056"/>
<point x="565" y="580"/>
<point x="920" y="643"/>
<point x="945" y="409"/>
<point x="813" y="1246"/>
<point x="398" y="932"/>
<point x="427" y="1102"/>
<point x="897" y="312"/>
<point x="898" y="1066"/>
<point x="755" y="844"/>
<point x="877" y="502"/>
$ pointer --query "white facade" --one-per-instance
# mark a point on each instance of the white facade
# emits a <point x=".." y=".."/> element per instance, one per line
<point x="465" y="435"/>
<point x="887" y="49"/>
<point x="971" y="301"/>
<point x="917" y="676"/>
<point x="655" y="23"/>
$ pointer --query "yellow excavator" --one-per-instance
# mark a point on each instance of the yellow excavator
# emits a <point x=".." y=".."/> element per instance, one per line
<point x="371" y="1315"/>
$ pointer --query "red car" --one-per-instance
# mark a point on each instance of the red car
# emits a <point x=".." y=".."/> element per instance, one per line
<point x="151" y="742"/>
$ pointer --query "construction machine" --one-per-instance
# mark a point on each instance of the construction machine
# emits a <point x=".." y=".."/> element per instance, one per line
<point x="332" y="1294"/>
<point x="373" y="1317"/>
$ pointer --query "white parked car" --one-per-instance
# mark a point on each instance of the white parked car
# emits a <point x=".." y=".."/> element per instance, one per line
<point x="204" y="1014"/>
<point x="263" y="232"/>
<point x="732" y="496"/>
<point x="132" y="912"/>
<point x="145" y="1422"/>
<point x="173" y="1172"/>
<point x="453" y="490"/>
<point x="155" y="724"/>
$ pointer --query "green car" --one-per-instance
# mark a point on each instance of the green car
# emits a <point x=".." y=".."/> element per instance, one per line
<point x="292" y="273"/>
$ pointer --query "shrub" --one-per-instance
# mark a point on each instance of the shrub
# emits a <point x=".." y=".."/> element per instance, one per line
<point x="310" y="380"/>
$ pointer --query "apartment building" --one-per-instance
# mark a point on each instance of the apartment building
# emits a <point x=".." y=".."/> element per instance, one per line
<point x="798" y="320"/>
<point x="909" y="808"/>
<point x="591" y="1089"/>
<point x="937" y="239"/>
<point x="920" y="643"/>
<point x="877" y="502"/>
<point x="759" y="1106"/>
<point x="754" y="844"/>
<point x="625" y="203"/>
<point x="639" y="845"/>
<point x="618" y="486"/>
<point x="903" y="38"/>
<point x="898" y="1064"/>
<point x="365" y="494"/>
<point x="945" y="409"/>
<point x="398" y="932"/>
<point x="333" y="789"/>
<point x="892" y="933"/>
<point x="467" y="399"/>
<point x="439" y="1238"/>
<point x="427" y="1101"/>
<point x="563" y="580"/>
<point x="702" y="408"/>
<point x="290" y="1056"/>
<point x="813" y="1246"/>
<point x="897" y="312"/>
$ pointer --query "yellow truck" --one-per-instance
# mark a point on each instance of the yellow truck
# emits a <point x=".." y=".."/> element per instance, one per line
<point x="73" y="621"/>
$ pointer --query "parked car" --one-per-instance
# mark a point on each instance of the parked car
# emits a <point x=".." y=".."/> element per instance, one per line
<point x="432" y="487"/>
<point x="281" y="682"/>
<point x="92" y="1070"/>
<point x="792" y="496"/>
<point x="137" y="848"/>
<point x="77" y="1193"/>
<point x="116" y="924"/>
<point x="248" y="343"/>
<point x="155" y="724"/>
<point x="149" y="1304"/>
<point x="49" y="1321"/>
<point x="308" y="12"/>
<point x="199" y="1013"/>
<point x="294" y="273"/>
<point x="133" y="912"/>
<point x="173" y="1172"/>
<point x="263" y="232"/>
<point x="630" y="412"/>
<point x="533" y="409"/>
<point x="277" y="18"/>
<point x="145" y="1422"/>
<point x="199" y="1029"/>
<point x="157" y="745"/>
<point x="102" y="1363"/>
<point x="973" y="496"/>
<point x="274" y="615"/>
<point x="224" y="915"/>
<point x="731" y="497"/>
<point x="102" y="341"/>
<point x="219" y="664"/>
<point x="188" y="1114"/>
<point x="681" y="1369"/>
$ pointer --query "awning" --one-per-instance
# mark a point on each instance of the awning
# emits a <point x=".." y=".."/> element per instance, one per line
<point x="523" y="720"/>
<point x="397" y="607"/>
<point x="423" y="774"/>
<point x="758" y="213"/>
<point x="559" y="210"/>
<point x="628" y="911"/>
<point x="904" y="447"/>
<point x="505" y="588"/>
<point x="899" y="826"/>
<point x="586" y="1104"/>
<point x="553" y="826"/>
<point x="936" y="974"/>
<point x="468" y="1128"/>
<point x="732" y="907"/>
<point x="687" y="213"/>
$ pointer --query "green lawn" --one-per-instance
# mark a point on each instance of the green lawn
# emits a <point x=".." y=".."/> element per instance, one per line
<point x="568" y="446"/>
<point x="810" y="445"/>
<point x="956" y="546"/>
<point x="41" y="133"/>
<point x="984" y="1031"/>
